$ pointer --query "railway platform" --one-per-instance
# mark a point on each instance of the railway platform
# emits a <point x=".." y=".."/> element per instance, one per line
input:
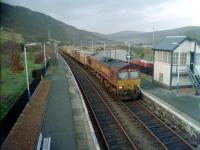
<point x="183" y="109"/>
<point x="186" y="103"/>
<point x="58" y="111"/>
<point x="66" y="118"/>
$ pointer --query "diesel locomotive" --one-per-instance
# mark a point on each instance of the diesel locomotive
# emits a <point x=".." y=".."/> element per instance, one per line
<point x="118" y="77"/>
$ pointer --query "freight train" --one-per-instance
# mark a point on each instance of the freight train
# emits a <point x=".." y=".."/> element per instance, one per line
<point x="143" y="66"/>
<point x="118" y="77"/>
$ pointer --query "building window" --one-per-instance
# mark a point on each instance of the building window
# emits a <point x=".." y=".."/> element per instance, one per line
<point x="183" y="58"/>
<point x="175" y="58"/>
<point x="169" y="58"/>
<point x="197" y="59"/>
<point x="160" y="77"/>
<point x="163" y="56"/>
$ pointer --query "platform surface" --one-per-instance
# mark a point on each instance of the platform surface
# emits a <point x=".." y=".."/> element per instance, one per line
<point x="187" y="103"/>
<point x="64" y="122"/>
<point x="58" y="121"/>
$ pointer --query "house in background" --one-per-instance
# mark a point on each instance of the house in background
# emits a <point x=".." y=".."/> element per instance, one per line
<point x="177" y="60"/>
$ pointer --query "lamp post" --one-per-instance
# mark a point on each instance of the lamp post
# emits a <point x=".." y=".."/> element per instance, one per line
<point x="81" y="45"/>
<point x="129" y="51"/>
<point x="55" y="49"/>
<point x="26" y="67"/>
<point x="45" y="63"/>
<point x="104" y="48"/>
<point x="153" y="35"/>
<point x="92" y="46"/>
<point x="44" y="51"/>
<point x="128" y="56"/>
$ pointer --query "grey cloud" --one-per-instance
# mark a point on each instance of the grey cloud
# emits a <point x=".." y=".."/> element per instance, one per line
<point x="107" y="15"/>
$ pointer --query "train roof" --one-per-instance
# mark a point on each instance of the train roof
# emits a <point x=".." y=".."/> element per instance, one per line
<point x="113" y="63"/>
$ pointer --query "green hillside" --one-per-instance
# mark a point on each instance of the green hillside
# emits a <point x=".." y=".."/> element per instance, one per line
<point x="35" y="26"/>
<point x="147" y="37"/>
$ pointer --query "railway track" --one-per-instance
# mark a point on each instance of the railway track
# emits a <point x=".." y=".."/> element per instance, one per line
<point x="166" y="135"/>
<point x="120" y="126"/>
<point x="113" y="134"/>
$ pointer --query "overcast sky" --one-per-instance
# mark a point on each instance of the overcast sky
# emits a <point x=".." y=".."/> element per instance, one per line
<point x="108" y="16"/>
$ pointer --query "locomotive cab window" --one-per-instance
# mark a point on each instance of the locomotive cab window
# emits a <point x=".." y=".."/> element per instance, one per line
<point x="134" y="74"/>
<point x="123" y="75"/>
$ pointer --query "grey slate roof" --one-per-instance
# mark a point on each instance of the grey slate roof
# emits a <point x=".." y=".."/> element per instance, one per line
<point x="169" y="43"/>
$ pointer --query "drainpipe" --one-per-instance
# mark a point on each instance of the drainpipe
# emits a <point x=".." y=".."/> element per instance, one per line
<point x="171" y="69"/>
<point x="178" y="75"/>
<point x="153" y="65"/>
<point x="92" y="46"/>
<point x="104" y="49"/>
<point x="195" y="45"/>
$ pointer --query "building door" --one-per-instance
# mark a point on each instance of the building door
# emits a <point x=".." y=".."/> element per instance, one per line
<point x="192" y="61"/>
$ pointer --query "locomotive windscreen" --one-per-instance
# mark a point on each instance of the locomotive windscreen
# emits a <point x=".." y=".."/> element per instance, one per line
<point x="123" y="75"/>
<point x="128" y="75"/>
<point x="134" y="74"/>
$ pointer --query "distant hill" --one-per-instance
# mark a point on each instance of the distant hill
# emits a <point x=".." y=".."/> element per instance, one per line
<point x="123" y="35"/>
<point x="35" y="26"/>
<point x="147" y="37"/>
<point x="119" y="36"/>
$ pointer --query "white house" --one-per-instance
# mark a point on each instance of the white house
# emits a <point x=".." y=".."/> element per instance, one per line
<point x="176" y="60"/>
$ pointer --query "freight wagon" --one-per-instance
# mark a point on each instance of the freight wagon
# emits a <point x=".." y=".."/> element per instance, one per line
<point x="143" y="65"/>
<point x="120" y="78"/>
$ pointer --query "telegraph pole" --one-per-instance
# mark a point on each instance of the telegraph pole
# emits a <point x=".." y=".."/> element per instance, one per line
<point x="81" y="45"/>
<point x="129" y="51"/>
<point x="153" y="35"/>
<point x="92" y="46"/>
<point x="104" y="46"/>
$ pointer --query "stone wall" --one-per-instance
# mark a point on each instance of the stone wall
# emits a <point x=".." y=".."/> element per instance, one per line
<point x="187" y="132"/>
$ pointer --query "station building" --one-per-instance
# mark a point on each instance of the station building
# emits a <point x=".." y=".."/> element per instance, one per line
<point x="177" y="59"/>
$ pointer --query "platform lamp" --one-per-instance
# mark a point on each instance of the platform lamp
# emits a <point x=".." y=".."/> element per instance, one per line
<point x="129" y="52"/>
<point x="104" y="48"/>
<point x="55" y="48"/>
<point x="92" y="46"/>
<point x="44" y="51"/>
<point x="128" y="57"/>
<point x="81" y="45"/>
<point x="26" y="68"/>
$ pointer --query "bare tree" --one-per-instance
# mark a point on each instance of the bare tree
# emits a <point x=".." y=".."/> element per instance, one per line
<point x="13" y="50"/>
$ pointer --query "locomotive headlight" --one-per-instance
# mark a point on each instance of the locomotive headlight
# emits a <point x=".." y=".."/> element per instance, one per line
<point x="120" y="87"/>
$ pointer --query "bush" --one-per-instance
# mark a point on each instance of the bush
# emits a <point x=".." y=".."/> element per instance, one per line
<point x="39" y="57"/>
<point x="16" y="65"/>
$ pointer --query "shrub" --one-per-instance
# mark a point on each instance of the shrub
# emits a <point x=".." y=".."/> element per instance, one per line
<point x="15" y="59"/>
<point x="39" y="57"/>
